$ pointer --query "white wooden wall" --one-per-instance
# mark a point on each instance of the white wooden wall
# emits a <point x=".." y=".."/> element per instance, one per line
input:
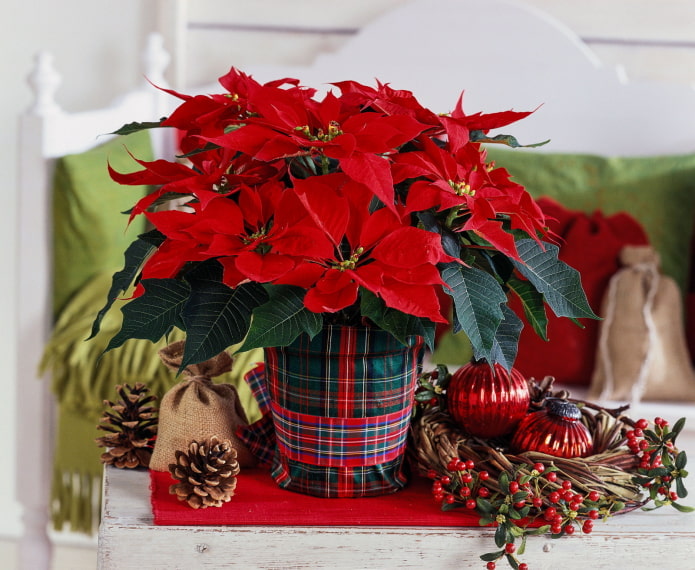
<point x="650" y="39"/>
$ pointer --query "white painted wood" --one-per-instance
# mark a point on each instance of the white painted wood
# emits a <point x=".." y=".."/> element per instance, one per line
<point x="129" y="539"/>
<point x="47" y="132"/>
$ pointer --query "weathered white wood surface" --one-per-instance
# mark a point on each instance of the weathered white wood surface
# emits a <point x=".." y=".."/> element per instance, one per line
<point x="128" y="539"/>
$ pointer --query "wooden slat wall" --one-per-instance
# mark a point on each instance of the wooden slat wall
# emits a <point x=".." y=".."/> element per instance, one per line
<point x="648" y="39"/>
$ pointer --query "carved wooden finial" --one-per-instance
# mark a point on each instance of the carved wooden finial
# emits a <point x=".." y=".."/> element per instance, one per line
<point x="44" y="81"/>
<point x="155" y="59"/>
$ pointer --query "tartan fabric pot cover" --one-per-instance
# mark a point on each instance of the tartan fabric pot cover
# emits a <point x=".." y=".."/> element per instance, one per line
<point x="341" y="406"/>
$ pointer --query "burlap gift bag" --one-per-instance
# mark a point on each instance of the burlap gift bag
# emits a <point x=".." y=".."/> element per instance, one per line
<point x="197" y="408"/>
<point x="642" y="352"/>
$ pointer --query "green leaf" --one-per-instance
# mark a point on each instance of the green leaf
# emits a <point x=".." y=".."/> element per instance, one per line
<point x="509" y="140"/>
<point x="512" y="561"/>
<point x="559" y="283"/>
<point x="491" y="556"/>
<point x="501" y="535"/>
<point x="681" y="460"/>
<point x="134" y="127"/>
<point x="532" y="304"/>
<point x="536" y="531"/>
<point x="484" y="506"/>
<point x="477" y="300"/>
<point x="506" y="344"/>
<point x="680" y="488"/>
<point x="217" y="316"/>
<point x="135" y="255"/>
<point x="394" y="321"/>
<point x="682" y="508"/>
<point x="504" y="482"/>
<point x="280" y="320"/>
<point x="153" y="314"/>
<point x="678" y="427"/>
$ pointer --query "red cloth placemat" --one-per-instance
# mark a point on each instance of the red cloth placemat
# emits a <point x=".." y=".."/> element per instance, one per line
<point x="259" y="501"/>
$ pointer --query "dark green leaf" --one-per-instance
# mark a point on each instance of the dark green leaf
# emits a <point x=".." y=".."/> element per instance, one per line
<point x="501" y="535"/>
<point x="678" y="427"/>
<point x="135" y="255"/>
<point x="134" y="127"/>
<point x="153" y="314"/>
<point x="512" y="561"/>
<point x="504" y="482"/>
<point x="509" y="140"/>
<point x="532" y="304"/>
<point x="506" y="342"/>
<point x="536" y="531"/>
<point x="396" y="322"/>
<point x="280" y="320"/>
<point x="484" y="506"/>
<point x="477" y="306"/>
<point x="681" y="460"/>
<point x="680" y="488"/>
<point x="491" y="556"/>
<point x="559" y="283"/>
<point x="217" y="316"/>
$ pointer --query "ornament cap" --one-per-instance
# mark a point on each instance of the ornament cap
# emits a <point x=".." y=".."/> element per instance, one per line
<point x="563" y="409"/>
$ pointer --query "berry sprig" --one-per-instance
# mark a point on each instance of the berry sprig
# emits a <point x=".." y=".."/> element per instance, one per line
<point x="661" y="466"/>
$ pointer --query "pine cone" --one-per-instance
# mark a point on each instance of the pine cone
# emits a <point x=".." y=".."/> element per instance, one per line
<point x="132" y="425"/>
<point x="206" y="473"/>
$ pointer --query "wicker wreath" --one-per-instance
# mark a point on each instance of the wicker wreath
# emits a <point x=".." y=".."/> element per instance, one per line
<point x="535" y="493"/>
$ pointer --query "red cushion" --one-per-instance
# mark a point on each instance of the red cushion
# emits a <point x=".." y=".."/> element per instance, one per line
<point x="590" y="243"/>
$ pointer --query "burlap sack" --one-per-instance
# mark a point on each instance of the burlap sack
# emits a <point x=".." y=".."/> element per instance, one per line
<point x="642" y="352"/>
<point x="197" y="409"/>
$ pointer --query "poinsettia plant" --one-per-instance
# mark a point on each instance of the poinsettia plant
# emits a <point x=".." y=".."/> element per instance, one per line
<point x="358" y="206"/>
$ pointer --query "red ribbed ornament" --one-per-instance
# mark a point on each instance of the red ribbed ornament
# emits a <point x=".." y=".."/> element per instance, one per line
<point x="555" y="430"/>
<point x="487" y="401"/>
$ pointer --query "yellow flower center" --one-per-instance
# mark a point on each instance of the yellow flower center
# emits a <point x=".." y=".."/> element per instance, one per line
<point x="461" y="188"/>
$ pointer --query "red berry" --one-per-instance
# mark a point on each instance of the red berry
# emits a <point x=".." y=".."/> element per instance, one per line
<point x="593" y="514"/>
<point x="552" y="476"/>
<point x="574" y="506"/>
<point x="630" y="434"/>
<point x="643" y="444"/>
<point x="539" y="467"/>
<point x="537" y="502"/>
<point x="439" y="497"/>
<point x="491" y="566"/>
<point x="568" y="496"/>
<point x="446" y="480"/>
<point x="484" y="475"/>
<point x="520" y="505"/>
<point x="549" y="513"/>
<point x="465" y="491"/>
<point x="431" y="474"/>
<point x="436" y="487"/>
<point x="556" y="529"/>
<point x="639" y="432"/>
<point x="513" y="487"/>
<point x="557" y="519"/>
<point x="673" y="496"/>
<point x="567" y="485"/>
<point x="587" y="527"/>
<point x="523" y="566"/>
<point x="642" y="423"/>
<point x="483" y="492"/>
<point x="594" y="496"/>
<point x="466" y="478"/>
<point x="569" y="529"/>
<point x="471" y="504"/>
<point x="554" y="497"/>
<point x="470" y="464"/>
<point x="509" y="548"/>
<point x="453" y="464"/>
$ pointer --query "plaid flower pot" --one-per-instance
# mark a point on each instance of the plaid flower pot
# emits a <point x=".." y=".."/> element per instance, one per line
<point x="341" y="406"/>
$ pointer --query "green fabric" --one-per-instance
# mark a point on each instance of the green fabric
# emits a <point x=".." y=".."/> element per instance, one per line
<point x="82" y="378"/>
<point x="658" y="191"/>
<point x="89" y="233"/>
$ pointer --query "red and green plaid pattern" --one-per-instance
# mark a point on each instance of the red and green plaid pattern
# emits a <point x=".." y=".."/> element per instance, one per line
<point x="341" y="405"/>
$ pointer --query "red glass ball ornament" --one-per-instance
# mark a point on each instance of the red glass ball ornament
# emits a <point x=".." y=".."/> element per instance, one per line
<point x="487" y="401"/>
<point x="555" y="430"/>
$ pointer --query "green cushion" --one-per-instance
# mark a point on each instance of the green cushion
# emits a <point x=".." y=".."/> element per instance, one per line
<point x="658" y="191"/>
<point x="89" y="230"/>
